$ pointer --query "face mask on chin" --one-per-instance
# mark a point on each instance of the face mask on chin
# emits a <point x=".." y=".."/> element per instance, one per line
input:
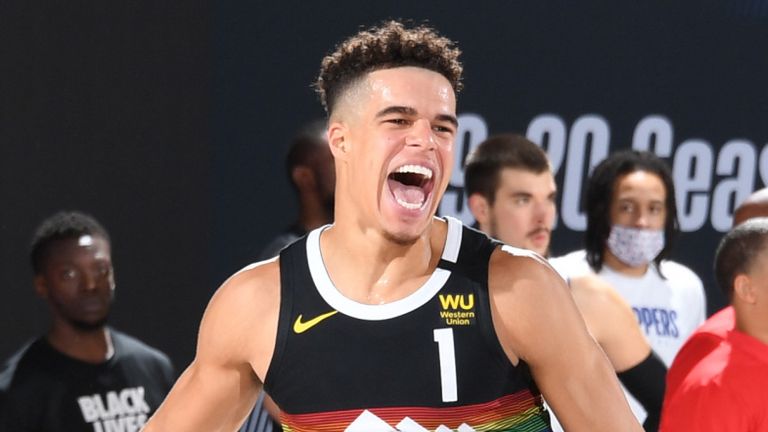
<point x="634" y="246"/>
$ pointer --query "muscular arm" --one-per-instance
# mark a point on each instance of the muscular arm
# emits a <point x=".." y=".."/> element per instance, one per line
<point x="537" y="321"/>
<point x="611" y="321"/>
<point x="613" y="324"/>
<point x="235" y="345"/>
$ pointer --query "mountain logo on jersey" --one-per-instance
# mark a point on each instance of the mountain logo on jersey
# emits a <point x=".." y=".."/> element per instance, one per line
<point x="458" y="309"/>
<point x="369" y="422"/>
<point x="300" y="326"/>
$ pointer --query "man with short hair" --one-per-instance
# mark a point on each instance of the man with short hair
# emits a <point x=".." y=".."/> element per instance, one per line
<point x="722" y="387"/>
<point x="309" y="166"/>
<point x="82" y="375"/>
<point x="511" y="192"/>
<point x="712" y="333"/>
<point x="391" y="318"/>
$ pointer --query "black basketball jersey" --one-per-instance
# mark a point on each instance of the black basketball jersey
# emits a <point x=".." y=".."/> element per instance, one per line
<point x="428" y="362"/>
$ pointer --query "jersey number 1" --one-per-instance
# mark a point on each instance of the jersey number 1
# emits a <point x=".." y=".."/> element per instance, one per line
<point x="447" y="354"/>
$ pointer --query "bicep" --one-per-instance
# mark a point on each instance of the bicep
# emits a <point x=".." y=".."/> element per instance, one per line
<point x="207" y="397"/>
<point x="537" y="320"/>
<point x="620" y="335"/>
<point x="220" y="386"/>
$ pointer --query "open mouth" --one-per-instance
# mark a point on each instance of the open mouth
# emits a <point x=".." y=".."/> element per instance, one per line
<point x="411" y="185"/>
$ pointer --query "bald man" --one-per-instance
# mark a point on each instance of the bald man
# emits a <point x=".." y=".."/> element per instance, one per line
<point x="756" y="205"/>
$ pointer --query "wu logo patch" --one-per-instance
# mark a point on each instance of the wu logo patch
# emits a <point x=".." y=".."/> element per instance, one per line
<point x="457" y="301"/>
<point x="458" y="309"/>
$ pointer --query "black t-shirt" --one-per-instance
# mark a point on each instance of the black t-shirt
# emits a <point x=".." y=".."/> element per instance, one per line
<point x="43" y="390"/>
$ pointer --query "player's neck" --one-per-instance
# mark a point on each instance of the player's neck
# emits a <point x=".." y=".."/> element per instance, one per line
<point x="619" y="266"/>
<point x="751" y="321"/>
<point x="92" y="346"/>
<point x="369" y="268"/>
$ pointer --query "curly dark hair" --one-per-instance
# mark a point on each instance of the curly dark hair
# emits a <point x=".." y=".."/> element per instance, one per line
<point x="61" y="226"/>
<point x="389" y="45"/>
<point x="599" y="195"/>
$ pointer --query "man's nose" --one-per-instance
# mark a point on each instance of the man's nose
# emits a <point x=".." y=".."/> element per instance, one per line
<point x="89" y="281"/>
<point x="421" y="134"/>
<point x="642" y="219"/>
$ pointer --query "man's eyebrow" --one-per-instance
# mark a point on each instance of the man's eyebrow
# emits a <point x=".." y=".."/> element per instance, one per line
<point x="448" y="118"/>
<point x="396" y="110"/>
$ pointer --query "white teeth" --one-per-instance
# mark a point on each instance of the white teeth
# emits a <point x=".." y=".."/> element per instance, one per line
<point x="409" y="206"/>
<point x="415" y="169"/>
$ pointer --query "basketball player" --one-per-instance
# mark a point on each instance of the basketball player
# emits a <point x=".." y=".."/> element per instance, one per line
<point x="392" y="319"/>
<point x="511" y="192"/>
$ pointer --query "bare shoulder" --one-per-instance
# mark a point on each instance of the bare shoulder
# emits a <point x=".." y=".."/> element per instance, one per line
<point x="515" y="268"/>
<point x="255" y="286"/>
<point x="241" y="318"/>
<point x="527" y="298"/>
<point x="592" y="292"/>
<point x="610" y="320"/>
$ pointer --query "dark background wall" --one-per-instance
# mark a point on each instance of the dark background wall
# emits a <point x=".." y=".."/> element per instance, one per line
<point x="169" y="123"/>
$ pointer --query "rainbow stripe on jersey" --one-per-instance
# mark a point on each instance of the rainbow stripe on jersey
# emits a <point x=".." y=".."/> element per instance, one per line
<point x="521" y="411"/>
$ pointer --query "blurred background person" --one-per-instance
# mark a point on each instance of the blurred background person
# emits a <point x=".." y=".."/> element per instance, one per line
<point x="511" y="193"/>
<point x="82" y="375"/>
<point x="714" y="331"/>
<point x="631" y="224"/>
<point x="722" y="387"/>
<point x="310" y="169"/>
<point x="756" y="205"/>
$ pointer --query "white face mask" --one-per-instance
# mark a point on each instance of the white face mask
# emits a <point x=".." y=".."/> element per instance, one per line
<point x="633" y="246"/>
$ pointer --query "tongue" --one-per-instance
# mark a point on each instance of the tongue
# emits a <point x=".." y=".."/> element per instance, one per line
<point x="409" y="194"/>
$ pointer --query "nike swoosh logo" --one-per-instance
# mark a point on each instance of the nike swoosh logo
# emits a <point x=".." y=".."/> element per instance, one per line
<point x="301" y="327"/>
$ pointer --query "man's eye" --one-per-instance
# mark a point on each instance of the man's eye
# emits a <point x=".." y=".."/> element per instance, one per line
<point x="68" y="274"/>
<point x="399" y="121"/>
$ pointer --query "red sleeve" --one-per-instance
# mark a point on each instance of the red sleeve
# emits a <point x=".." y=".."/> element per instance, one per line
<point x="704" y="408"/>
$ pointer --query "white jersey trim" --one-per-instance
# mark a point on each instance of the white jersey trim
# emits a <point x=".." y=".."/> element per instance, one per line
<point x="367" y="312"/>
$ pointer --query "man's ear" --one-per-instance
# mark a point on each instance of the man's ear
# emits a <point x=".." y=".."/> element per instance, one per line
<point x="41" y="287"/>
<point x="480" y="208"/>
<point x="744" y="289"/>
<point x="338" y="139"/>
